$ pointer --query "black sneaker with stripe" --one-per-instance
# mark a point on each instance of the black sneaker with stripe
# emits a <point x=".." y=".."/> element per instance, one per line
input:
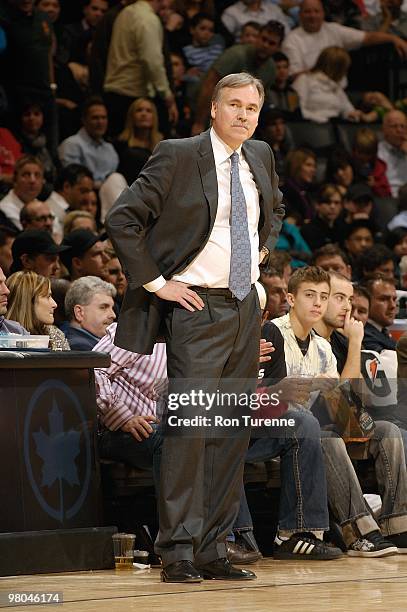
<point x="305" y="546"/>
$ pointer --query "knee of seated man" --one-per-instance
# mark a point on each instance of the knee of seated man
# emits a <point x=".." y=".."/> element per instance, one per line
<point x="307" y="426"/>
<point x="333" y="443"/>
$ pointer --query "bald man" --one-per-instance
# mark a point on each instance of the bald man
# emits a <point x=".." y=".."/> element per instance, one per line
<point x="304" y="44"/>
<point x="393" y="149"/>
<point x="37" y="215"/>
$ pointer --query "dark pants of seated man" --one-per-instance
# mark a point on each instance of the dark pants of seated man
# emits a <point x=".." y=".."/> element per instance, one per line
<point x="122" y="446"/>
<point x="303" y="498"/>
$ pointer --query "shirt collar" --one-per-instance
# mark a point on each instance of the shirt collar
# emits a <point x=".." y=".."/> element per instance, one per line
<point x="286" y="322"/>
<point x="376" y="325"/>
<point x="393" y="150"/>
<point x="222" y="151"/>
<point x="59" y="199"/>
<point x="15" y="199"/>
<point x="84" y="134"/>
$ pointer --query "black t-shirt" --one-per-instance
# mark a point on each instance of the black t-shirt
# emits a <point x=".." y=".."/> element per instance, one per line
<point x="274" y="370"/>
<point x="339" y="345"/>
<point x="303" y="344"/>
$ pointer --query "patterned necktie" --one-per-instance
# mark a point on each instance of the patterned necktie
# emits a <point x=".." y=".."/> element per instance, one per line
<point x="240" y="256"/>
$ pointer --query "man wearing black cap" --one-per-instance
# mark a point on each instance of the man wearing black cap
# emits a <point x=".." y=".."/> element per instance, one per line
<point x="37" y="251"/>
<point x="86" y="256"/>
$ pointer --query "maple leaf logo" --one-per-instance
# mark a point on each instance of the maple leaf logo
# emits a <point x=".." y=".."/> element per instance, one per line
<point x="58" y="450"/>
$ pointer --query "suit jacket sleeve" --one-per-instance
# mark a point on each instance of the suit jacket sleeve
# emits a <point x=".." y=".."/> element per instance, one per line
<point x="135" y="212"/>
<point x="278" y="213"/>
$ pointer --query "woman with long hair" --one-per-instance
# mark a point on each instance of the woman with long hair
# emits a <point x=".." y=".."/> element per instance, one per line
<point x="301" y="167"/>
<point x="30" y="303"/>
<point x="138" y="139"/>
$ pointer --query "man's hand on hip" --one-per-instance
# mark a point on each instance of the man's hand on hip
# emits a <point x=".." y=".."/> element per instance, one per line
<point x="139" y="426"/>
<point x="174" y="291"/>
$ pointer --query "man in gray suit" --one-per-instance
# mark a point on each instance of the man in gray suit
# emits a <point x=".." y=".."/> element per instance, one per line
<point x="188" y="233"/>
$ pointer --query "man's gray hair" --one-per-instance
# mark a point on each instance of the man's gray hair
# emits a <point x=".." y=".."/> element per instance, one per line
<point x="82" y="291"/>
<point x="238" y="79"/>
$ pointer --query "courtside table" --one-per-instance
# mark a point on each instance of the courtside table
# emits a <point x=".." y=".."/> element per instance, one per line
<point x="50" y="503"/>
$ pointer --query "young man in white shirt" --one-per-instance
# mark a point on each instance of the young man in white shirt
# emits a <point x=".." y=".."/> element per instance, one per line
<point x="385" y="446"/>
<point x="310" y="355"/>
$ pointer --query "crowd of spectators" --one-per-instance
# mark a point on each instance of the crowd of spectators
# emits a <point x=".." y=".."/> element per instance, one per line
<point x="88" y="91"/>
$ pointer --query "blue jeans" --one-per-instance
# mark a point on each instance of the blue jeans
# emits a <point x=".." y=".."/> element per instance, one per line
<point x="345" y="495"/>
<point x="404" y="436"/>
<point x="303" y="497"/>
<point x="122" y="446"/>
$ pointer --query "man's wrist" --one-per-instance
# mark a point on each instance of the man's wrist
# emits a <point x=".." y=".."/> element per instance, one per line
<point x="155" y="285"/>
<point x="355" y="341"/>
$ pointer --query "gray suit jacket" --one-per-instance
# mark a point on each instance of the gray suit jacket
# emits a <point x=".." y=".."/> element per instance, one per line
<point x="161" y="223"/>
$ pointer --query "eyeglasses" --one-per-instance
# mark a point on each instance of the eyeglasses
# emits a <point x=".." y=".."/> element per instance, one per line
<point x="44" y="218"/>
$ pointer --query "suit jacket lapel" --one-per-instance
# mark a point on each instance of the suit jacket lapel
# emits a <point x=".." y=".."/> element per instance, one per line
<point x="261" y="176"/>
<point x="207" y="170"/>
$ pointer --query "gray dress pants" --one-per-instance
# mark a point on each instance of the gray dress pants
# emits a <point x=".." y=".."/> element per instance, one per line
<point x="212" y="351"/>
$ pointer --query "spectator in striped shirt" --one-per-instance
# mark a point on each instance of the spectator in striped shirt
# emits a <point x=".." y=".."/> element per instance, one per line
<point x="129" y="398"/>
<point x="205" y="47"/>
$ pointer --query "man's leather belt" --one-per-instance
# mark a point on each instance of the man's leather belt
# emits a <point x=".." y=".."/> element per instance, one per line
<point x="216" y="291"/>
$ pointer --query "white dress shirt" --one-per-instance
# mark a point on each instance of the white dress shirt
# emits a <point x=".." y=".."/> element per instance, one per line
<point x="396" y="161"/>
<point x="11" y="205"/>
<point x="211" y="266"/>
<point x="58" y="205"/>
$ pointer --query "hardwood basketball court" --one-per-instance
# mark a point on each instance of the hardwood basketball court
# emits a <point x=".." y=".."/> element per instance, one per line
<point x="344" y="585"/>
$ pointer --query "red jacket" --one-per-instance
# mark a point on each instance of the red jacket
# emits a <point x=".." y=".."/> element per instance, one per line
<point x="10" y="152"/>
<point x="381" y="187"/>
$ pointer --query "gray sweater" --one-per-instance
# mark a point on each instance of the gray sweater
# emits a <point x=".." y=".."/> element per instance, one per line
<point x="11" y="327"/>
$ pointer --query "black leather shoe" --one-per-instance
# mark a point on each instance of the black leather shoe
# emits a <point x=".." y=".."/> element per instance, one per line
<point x="239" y="555"/>
<point x="222" y="569"/>
<point x="180" y="571"/>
